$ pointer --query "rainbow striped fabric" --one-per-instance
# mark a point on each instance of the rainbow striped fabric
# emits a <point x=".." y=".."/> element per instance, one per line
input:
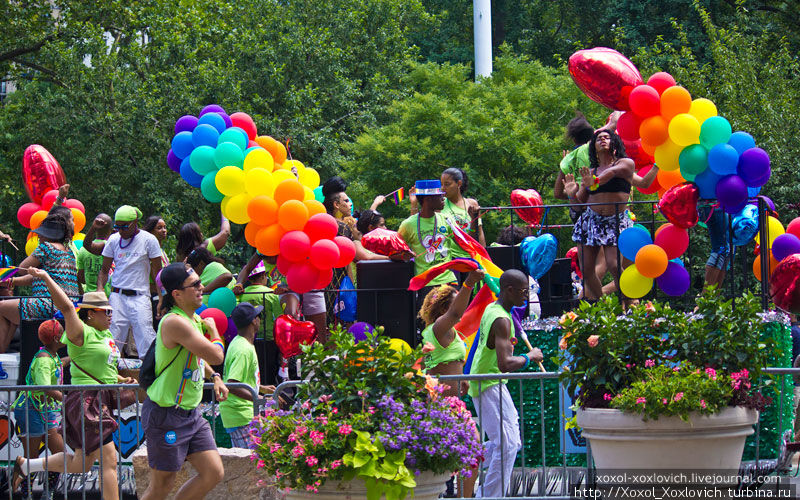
<point x="398" y="195"/>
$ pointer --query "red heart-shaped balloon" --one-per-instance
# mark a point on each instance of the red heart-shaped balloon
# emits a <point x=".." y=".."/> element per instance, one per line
<point x="384" y="242"/>
<point x="40" y="172"/>
<point x="679" y="204"/>
<point x="527" y="198"/>
<point x="605" y="76"/>
<point x="784" y="284"/>
<point x="290" y="334"/>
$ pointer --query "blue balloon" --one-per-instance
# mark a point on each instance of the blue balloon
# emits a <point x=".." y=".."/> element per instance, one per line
<point x="741" y="141"/>
<point x="205" y="135"/>
<point x="214" y="120"/>
<point x="632" y="239"/>
<point x="745" y="225"/>
<point x="189" y="175"/>
<point x="538" y="254"/>
<point x="723" y="159"/>
<point x="182" y="145"/>
<point x="200" y="309"/>
<point x="707" y="184"/>
<point x="753" y="191"/>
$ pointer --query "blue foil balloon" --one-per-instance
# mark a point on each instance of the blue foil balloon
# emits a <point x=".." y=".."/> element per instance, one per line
<point x="745" y="225"/>
<point x="538" y="254"/>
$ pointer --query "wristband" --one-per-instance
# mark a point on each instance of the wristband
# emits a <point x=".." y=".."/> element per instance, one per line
<point x="480" y="222"/>
<point x="527" y="360"/>
<point x="215" y="374"/>
<point x="465" y="285"/>
<point x="595" y="184"/>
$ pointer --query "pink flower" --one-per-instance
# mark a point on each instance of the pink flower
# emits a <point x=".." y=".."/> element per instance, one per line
<point x="428" y="347"/>
<point x="665" y="401"/>
<point x="322" y="419"/>
<point x="361" y="394"/>
<point x="678" y="396"/>
<point x="317" y="437"/>
<point x="712" y="373"/>
<point x="336" y="464"/>
<point x="371" y="410"/>
<point x="301" y="430"/>
<point x="628" y="366"/>
<point x="649" y="363"/>
<point x="702" y="403"/>
<point x="311" y="461"/>
<point x="592" y="340"/>
<point x="292" y="438"/>
<point x="641" y="400"/>
<point x="345" y="429"/>
<point x="607" y="397"/>
<point x="325" y="398"/>
<point x="676" y="369"/>
<point x="298" y="451"/>
<point x="310" y="487"/>
<point x="335" y="411"/>
<point x="649" y="307"/>
<point x="306" y="405"/>
<point x="275" y="447"/>
<point x="260" y="464"/>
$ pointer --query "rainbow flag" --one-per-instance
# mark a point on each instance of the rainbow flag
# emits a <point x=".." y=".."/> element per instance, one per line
<point x="475" y="250"/>
<point x="398" y="195"/>
<point x="7" y="272"/>
<point x="469" y="326"/>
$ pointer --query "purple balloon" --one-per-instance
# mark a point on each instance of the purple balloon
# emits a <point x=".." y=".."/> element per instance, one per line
<point x="767" y="200"/>
<point x="185" y="123"/>
<point x="231" y="332"/>
<point x="675" y="280"/>
<point x="732" y="193"/>
<point x="212" y="108"/>
<point x="173" y="162"/>
<point x="224" y="115"/>
<point x="754" y="167"/>
<point x="785" y="245"/>
<point x="359" y="330"/>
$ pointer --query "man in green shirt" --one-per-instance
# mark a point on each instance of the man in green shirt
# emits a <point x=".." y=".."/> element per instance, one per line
<point x="495" y="355"/>
<point x="89" y="264"/>
<point x="241" y="365"/>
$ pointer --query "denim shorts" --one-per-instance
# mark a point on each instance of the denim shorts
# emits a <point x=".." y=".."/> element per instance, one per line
<point x="240" y="437"/>
<point x="172" y="434"/>
<point x="717" y="223"/>
<point x="35" y="425"/>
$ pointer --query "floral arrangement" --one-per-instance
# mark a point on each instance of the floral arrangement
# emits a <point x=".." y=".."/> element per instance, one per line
<point x="656" y="361"/>
<point x="365" y="411"/>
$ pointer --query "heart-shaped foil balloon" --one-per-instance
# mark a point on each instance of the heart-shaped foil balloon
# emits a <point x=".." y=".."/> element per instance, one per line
<point x="679" y="205"/>
<point x="784" y="284"/>
<point x="527" y="198"/>
<point x="384" y="242"/>
<point x="40" y="172"/>
<point x="605" y="76"/>
<point x="290" y="334"/>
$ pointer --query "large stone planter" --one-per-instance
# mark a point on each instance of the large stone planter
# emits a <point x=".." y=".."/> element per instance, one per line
<point x="622" y="441"/>
<point x="429" y="487"/>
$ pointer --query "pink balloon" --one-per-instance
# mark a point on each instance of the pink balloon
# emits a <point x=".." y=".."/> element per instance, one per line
<point x="628" y="126"/>
<point x="321" y="227"/>
<point x="794" y="227"/>
<point x="604" y="75"/>
<point x="73" y="203"/>
<point x="324" y="254"/>
<point x="49" y="199"/>
<point x="347" y="250"/>
<point x="302" y="277"/>
<point x="325" y="277"/>
<point x="295" y="246"/>
<point x="661" y="81"/>
<point x="25" y="211"/>
<point x="220" y="320"/>
<point x="243" y="121"/>
<point x="645" y="101"/>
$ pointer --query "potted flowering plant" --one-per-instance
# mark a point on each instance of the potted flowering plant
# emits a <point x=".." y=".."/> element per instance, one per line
<point x="366" y="423"/>
<point x="656" y="377"/>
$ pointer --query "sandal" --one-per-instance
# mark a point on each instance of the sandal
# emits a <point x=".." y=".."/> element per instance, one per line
<point x="18" y="476"/>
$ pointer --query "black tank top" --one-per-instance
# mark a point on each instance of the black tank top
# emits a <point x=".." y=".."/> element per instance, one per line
<point x="615" y="185"/>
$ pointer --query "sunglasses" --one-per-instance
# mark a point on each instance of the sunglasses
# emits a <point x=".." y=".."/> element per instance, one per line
<point x="120" y="227"/>
<point x="197" y="284"/>
<point x="106" y="311"/>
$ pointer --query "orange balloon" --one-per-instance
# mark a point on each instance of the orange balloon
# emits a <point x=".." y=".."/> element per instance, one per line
<point x="290" y="189"/>
<point x="667" y="179"/>
<point x="653" y="130"/>
<point x="675" y="101"/>
<point x="268" y="239"/>
<point x="292" y="215"/>
<point x="314" y="207"/>
<point x="78" y="219"/>
<point x="651" y="261"/>
<point x="757" y="265"/>
<point x="251" y="231"/>
<point x="275" y="148"/>
<point x="263" y="210"/>
<point x="37" y="218"/>
<point x="662" y="226"/>
<point x="650" y="149"/>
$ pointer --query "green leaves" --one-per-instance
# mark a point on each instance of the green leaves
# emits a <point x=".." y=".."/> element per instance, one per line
<point x="382" y="473"/>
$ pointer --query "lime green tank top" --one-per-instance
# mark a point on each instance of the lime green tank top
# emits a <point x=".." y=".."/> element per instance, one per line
<point x="456" y="351"/>
<point x="485" y="359"/>
<point x="98" y="354"/>
<point x="461" y="217"/>
<point x="181" y="384"/>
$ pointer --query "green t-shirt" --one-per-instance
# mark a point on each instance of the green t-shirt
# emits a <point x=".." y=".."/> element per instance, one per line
<point x="485" y="359"/>
<point x="455" y="351"/>
<point x="575" y="159"/>
<point x="260" y="295"/>
<point x="45" y="369"/>
<point x="91" y="265"/>
<point x="462" y="219"/>
<point x="241" y="364"/>
<point x="98" y="354"/>
<point x="434" y="249"/>
<point x="211" y="272"/>
<point x="181" y="383"/>
<point x="274" y="277"/>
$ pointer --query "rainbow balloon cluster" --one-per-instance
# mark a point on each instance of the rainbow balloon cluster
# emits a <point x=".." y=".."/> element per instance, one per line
<point x="690" y="142"/>
<point x="256" y="185"/>
<point x="657" y="261"/>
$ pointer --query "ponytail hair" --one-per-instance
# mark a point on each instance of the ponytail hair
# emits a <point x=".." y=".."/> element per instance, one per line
<point x="458" y="175"/>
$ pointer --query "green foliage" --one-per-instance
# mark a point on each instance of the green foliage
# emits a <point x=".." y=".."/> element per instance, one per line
<point x="382" y="472"/>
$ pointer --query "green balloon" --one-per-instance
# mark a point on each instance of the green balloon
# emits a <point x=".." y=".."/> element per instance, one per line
<point x="715" y="130"/>
<point x="222" y="299"/>
<point x="228" y="154"/>
<point x="318" y="194"/>
<point x="209" y="188"/>
<point x="202" y="160"/>
<point x="235" y="136"/>
<point x="693" y="160"/>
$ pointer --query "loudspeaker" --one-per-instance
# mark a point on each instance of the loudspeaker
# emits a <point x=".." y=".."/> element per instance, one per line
<point x="384" y="298"/>
<point x="506" y="257"/>
<point x="556" y="289"/>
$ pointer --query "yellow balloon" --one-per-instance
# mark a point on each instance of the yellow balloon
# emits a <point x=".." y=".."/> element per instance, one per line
<point x="308" y="177"/>
<point x="774" y="229"/>
<point x="703" y="109"/>
<point x="31" y="244"/>
<point x="281" y="175"/>
<point x="78" y="237"/>
<point x="633" y="284"/>
<point x="667" y="156"/>
<point x="309" y="194"/>
<point x="400" y="346"/>
<point x="288" y="164"/>
<point x="258" y="181"/>
<point x="684" y="130"/>
<point x="223" y="206"/>
<point x="259" y="158"/>
<point x="237" y="208"/>
<point x="230" y="180"/>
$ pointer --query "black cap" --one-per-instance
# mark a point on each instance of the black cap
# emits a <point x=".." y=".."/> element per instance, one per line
<point x="245" y="313"/>
<point x="173" y="276"/>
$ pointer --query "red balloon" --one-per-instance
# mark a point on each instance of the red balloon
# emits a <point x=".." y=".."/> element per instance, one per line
<point x="794" y="227"/>
<point x="673" y="239"/>
<point x="321" y="227"/>
<point x="679" y="204"/>
<point x="784" y="284"/>
<point x="290" y="334"/>
<point x="325" y="277"/>
<point x="347" y="250"/>
<point x="295" y="245"/>
<point x="49" y="199"/>
<point x="324" y="254"/>
<point x="636" y="152"/>
<point x="604" y="75"/>
<point x="220" y="320"/>
<point x="302" y="277"/>
<point x="654" y="187"/>
<point x="76" y="204"/>
<point x="384" y="242"/>
<point x="244" y="122"/>
<point x="25" y="211"/>
<point x="661" y="81"/>
<point x="628" y="127"/>
<point x="283" y="264"/>
<point x="645" y="101"/>
<point x="40" y="172"/>
<point x="527" y="197"/>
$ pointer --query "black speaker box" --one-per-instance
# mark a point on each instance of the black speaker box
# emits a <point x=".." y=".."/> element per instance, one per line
<point x="506" y="258"/>
<point x="384" y="298"/>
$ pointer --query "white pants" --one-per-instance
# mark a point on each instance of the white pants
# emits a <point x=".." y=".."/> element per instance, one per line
<point x="504" y="439"/>
<point x="135" y="312"/>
